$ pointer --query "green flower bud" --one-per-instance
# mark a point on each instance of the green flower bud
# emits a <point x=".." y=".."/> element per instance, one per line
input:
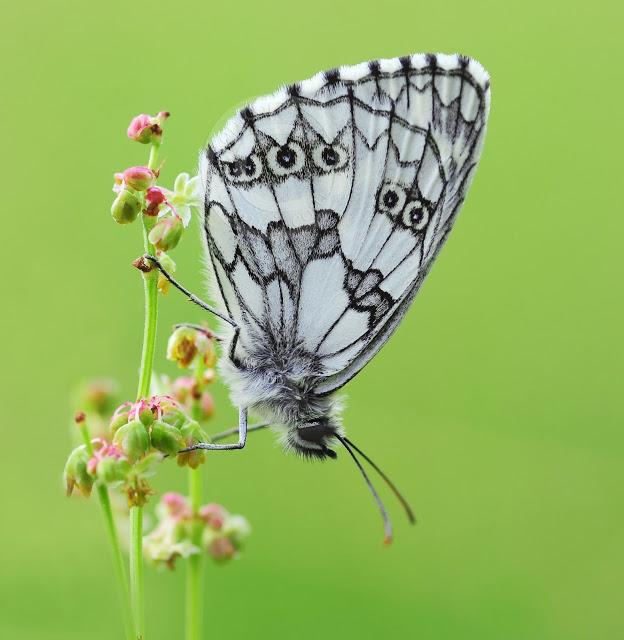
<point x="174" y="417"/>
<point x="193" y="433"/>
<point x="76" y="473"/>
<point x="126" y="207"/>
<point x="111" y="470"/>
<point x="118" y="420"/>
<point x="132" y="439"/>
<point x="166" y="438"/>
<point x="166" y="233"/>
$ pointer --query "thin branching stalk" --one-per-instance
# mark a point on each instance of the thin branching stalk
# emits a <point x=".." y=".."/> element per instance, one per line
<point x="113" y="536"/>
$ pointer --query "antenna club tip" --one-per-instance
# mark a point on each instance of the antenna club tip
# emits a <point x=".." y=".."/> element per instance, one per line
<point x="387" y="541"/>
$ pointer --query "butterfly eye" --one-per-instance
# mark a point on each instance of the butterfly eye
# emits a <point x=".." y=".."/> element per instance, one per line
<point x="330" y="157"/>
<point x="286" y="159"/>
<point x="244" y="170"/>
<point x="416" y="215"/>
<point x="391" y="199"/>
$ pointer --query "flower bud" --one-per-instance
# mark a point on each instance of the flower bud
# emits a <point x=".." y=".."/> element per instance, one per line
<point x="192" y="434"/>
<point x="166" y="233"/>
<point x="166" y="438"/>
<point x="126" y="207"/>
<point x="213" y="515"/>
<point x="236" y="528"/>
<point x="185" y="343"/>
<point x="221" y="549"/>
<point x="120" y="417"/>
<point x="132" y="439"/>
<point x="176" y="505"/>
<point x="112" y="469"/>
<point x="145" y="129"/>
<point x="76" y="473"/>
<point x="139" y="178"/>
<point x="183" y="388"/>
<point x="207" y="405"/>
<point x="182" y="346"/>
<point x="170" y="266"/>
<point x="154" y="198"/>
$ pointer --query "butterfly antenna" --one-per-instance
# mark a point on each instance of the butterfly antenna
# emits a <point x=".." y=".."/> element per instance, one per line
<point x="384" y="514"/>
<point x="408" y="510"/>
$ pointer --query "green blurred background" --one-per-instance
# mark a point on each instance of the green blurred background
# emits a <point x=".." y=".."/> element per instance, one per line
<point x="497" y="406"/>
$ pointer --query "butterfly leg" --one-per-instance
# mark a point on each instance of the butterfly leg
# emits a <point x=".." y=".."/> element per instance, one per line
<point x="242" y="437"/>
<point x="191" y="296"/>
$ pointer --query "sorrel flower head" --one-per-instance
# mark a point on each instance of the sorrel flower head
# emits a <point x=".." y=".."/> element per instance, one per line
<point x="222" y="534"/>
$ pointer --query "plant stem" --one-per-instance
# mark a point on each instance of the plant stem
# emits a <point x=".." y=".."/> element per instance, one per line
<point x="136" y="569"/>
<point x="194" y="576"/>
<point x="150" y="289"/>
<point x="118" y="561"/>
<point x="195" y="563"/>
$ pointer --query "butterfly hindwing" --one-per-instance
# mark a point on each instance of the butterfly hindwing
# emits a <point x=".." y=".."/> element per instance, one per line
<point x="327" y="202"/>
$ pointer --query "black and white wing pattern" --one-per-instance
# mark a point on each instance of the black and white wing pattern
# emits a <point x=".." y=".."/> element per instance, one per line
<point x="327" y="202"/>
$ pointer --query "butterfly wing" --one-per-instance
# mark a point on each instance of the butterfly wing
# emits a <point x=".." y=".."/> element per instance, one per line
<point x="327" y="202"/>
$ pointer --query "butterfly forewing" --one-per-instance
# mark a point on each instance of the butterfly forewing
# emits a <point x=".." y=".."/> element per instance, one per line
<point x="327" y="202"/>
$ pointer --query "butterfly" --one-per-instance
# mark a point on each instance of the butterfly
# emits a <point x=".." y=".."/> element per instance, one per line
<point x="326" y="204"/>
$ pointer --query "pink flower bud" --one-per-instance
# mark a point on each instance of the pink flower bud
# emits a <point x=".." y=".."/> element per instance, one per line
<point x="139" y="178"/>
<point x="183" y="388"/>
<point x="207" y="405"/>
<point x="145" y="129"/>
<point x="177" y="505"/>
<point x="221" y="549"/>
<point x="213" y="515"/>
<point x="154" y="198"/>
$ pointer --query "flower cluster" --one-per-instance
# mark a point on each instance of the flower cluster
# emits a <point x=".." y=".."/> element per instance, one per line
<point x="193" y="348"/>
<point x="180" y="533"/>
<point x="166" y="212"/>
<point x="140" y="435"/>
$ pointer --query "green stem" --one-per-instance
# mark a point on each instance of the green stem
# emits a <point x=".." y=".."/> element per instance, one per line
<point x="118" y="561"/>
<point x="150" y="289"/>
<point x="195" y="563"/>
<point x="136" y="569"/>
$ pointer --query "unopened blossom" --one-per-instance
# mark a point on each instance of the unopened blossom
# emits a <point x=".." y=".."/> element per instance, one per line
<point x="139" y="178"/>
<point x="145" y="128"/>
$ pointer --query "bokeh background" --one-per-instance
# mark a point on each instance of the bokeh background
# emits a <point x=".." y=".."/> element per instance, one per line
<point x="497" y="406"/>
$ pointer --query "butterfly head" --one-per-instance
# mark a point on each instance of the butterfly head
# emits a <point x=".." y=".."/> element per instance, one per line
<point x="313" y="438"/>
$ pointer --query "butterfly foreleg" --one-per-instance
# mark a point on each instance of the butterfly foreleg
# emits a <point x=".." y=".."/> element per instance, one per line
<point x="242" y="437"/>
<point x="191" y="296"/>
